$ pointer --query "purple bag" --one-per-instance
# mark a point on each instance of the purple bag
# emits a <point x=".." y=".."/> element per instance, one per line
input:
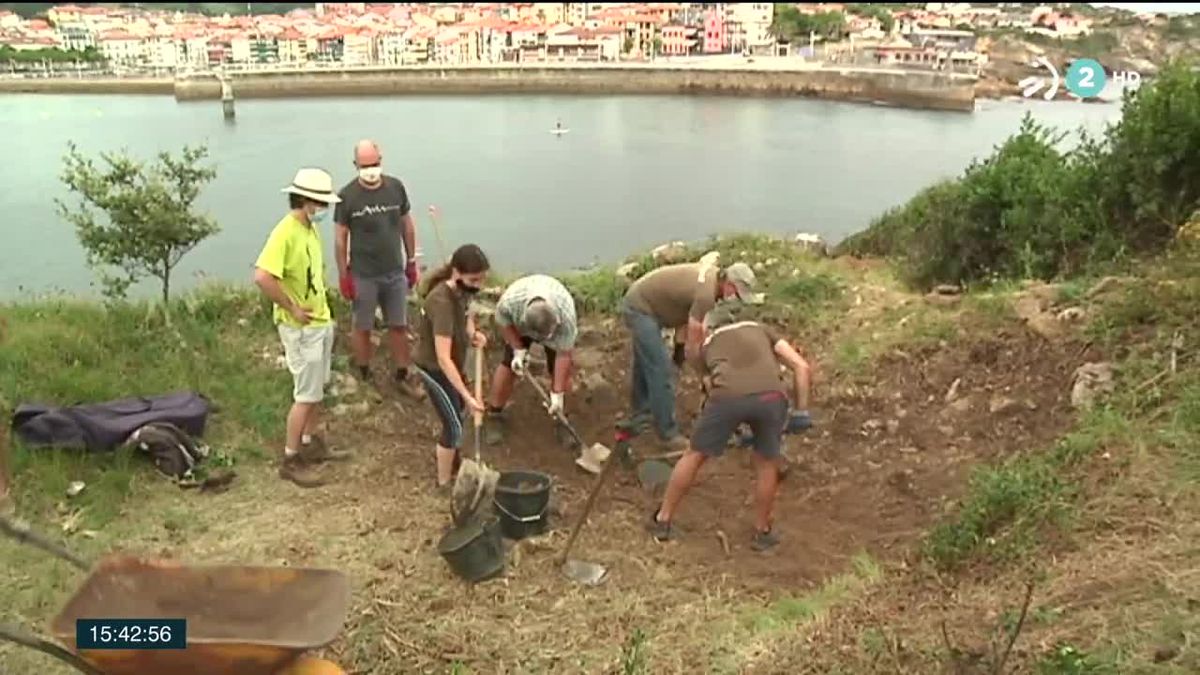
<point x="102" y="427"/>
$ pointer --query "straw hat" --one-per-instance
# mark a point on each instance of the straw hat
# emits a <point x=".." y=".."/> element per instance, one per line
<point x="315" y="184"/>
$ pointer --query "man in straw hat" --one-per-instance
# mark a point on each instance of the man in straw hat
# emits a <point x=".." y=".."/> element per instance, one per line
<point x="291" y="272"/>
<point x="678" y="297"/>
<point x="740" y="361"/>
<point x="536" y="308"/>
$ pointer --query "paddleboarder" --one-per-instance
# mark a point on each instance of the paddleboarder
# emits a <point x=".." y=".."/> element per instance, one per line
<point x="740" y="361"/>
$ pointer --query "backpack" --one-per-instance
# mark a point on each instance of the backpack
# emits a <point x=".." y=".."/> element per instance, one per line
<point x="174" y="452"/>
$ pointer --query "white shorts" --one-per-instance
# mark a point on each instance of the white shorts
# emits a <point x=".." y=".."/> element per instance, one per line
<point x="309" y="354"/>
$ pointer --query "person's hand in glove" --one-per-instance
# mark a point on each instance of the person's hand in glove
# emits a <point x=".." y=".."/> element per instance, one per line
<point x="346" y="285"/>
<point x="798" y="420"/>
<point x="555" y="407"/>
<point x="411" y="274"/>
<point x="520" y="361"/>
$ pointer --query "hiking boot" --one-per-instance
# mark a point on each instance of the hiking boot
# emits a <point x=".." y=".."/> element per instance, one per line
<point x="659" y="530"/>
<point x="763" y="541"/>
<point x="676" y="443"/>
<point x="298" y="471"/>
<point x="316" y="452"/>
<point x="363" y="373"/>
<point x="407" y="386"/>
<point x="494" y="425"/>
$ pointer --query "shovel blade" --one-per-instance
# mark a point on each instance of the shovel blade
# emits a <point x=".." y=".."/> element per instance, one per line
<point x="586" y="573"/>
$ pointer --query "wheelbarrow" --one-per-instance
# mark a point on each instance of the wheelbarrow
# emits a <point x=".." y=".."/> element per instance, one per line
<point x="240" y="620"/>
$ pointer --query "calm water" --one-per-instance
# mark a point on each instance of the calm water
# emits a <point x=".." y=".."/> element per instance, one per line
<point x="632" y="172"/>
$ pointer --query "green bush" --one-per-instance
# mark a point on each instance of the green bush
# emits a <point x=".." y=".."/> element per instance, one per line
<point x="1031" y="210"/>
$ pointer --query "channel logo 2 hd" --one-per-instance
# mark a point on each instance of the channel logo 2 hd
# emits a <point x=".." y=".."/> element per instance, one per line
<point x="1085" y="79"/>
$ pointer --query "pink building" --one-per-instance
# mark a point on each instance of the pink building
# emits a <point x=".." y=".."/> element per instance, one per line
<point x="715" y="37"/>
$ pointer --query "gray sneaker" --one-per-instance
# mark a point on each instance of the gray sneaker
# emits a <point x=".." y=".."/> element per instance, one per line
<point x="659" y="530"/>
<point x="764" y="541"/>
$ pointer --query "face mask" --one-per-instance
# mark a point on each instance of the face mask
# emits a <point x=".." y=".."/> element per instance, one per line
<point x="370" y="174"/>
<point x="466" y="288"/>
<point x="320" y="216"/>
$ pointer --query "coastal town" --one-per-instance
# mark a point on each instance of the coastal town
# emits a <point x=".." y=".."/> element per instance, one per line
<point x="119" y="39"/>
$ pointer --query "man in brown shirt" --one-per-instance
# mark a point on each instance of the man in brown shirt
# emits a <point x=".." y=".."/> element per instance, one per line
<point x="674" y="296"/>
<point x="740" y="361"/>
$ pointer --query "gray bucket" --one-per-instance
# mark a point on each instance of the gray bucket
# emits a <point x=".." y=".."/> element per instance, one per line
<point x="474" y="551"/>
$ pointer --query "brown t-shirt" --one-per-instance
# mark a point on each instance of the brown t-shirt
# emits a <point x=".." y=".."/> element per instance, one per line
<point x="445" y="315"/>
<point x="739" y="359"/>
<point x="673" y="293"/>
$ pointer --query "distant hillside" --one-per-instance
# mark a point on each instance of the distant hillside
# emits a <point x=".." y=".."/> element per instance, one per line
<point x="30" y="9"/>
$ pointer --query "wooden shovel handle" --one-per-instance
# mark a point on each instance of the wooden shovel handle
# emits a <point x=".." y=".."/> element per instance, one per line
<point x="19" y="636"/>
<point x="478" y="385"/>
<point x="587" y="509"/>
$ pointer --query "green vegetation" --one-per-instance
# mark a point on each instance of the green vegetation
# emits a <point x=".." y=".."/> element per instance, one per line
<point x="796" y="296"/>
<point x="876" y="11"/>
<point x="1032" y="210"/>
<point x="62" y="351"/>
<point x="791" y="25"/>
<point x="52" y="54"/>
<point x="150" y="212"/>
<point x="1010" y="505"/>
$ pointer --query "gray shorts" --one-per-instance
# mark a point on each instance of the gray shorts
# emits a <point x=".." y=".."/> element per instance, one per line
<point x="765" y="413"/>
<point x="388" y="292"/>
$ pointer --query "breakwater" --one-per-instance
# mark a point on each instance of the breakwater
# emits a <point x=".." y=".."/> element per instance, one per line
<point x="915" y="89"/>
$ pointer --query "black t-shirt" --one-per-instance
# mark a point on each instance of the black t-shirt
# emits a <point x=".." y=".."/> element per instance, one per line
<point x="376" y="233"/>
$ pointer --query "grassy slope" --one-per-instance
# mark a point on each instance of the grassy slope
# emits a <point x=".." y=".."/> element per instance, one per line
<point x="1085" y="500"/>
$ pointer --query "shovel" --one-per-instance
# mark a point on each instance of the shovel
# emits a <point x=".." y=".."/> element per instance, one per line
<point x="590" y="457"/>
<point x="581" y="571"/>
<point x="475" y="479"/>
<point x="21" y="532"/>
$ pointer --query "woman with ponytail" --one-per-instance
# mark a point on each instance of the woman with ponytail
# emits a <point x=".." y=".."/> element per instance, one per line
<point x="446" y="330"/>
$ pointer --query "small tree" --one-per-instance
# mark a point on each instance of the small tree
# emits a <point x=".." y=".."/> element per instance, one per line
<point x="150" y="225"/>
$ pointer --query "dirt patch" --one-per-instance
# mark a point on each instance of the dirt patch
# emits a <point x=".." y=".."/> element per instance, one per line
<point x="878" y="466"/>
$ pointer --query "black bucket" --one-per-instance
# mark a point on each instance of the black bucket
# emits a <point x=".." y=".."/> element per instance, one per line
<point x="474" y="551"/>
<point x="522" y="499"/>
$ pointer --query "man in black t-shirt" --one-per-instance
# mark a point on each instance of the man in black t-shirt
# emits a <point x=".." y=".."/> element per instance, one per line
<point x="375" y="245"/>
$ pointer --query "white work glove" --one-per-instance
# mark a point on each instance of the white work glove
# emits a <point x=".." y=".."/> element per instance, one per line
<point x="556" y="404"/>
<point x="520" y="360"/>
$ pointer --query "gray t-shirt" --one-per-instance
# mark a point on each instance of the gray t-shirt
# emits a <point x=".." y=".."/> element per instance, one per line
<point x="376" y="233"/>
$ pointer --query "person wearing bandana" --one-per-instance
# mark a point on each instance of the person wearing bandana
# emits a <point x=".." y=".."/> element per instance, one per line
<point x="375" y="249"/>
<point x="447" y="328"/>
<point x="290" y="270"/>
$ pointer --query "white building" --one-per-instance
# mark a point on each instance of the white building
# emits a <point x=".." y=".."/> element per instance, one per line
<point x="121" y="47"/>
<point x="749" y="25"/>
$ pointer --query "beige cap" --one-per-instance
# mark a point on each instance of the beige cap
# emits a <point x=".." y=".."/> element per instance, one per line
<point x="742" y="277"/>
